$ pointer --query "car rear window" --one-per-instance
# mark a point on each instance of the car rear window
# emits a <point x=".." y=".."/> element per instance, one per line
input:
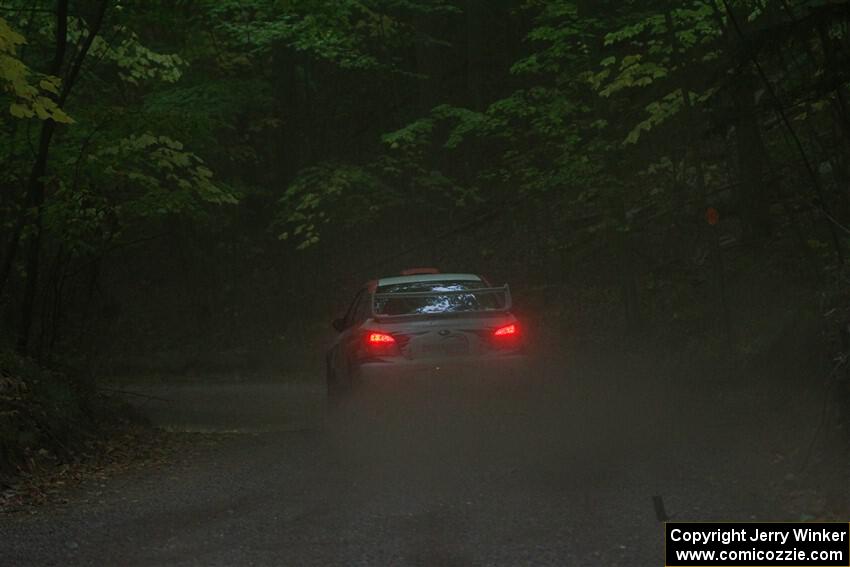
<point x="435" y="301"/>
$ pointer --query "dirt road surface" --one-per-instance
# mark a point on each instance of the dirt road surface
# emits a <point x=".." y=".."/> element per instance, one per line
<point x="564" y="476"/>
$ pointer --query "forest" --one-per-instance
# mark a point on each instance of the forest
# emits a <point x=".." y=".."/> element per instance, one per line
<point x="207" y="175"/>
<point x="198" y="186"/>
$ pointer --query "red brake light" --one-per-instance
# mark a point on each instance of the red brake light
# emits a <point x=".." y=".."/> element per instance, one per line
<point x="380" y="339"/>
<point x="507" y="331"/>
<point x="379" y="344"/>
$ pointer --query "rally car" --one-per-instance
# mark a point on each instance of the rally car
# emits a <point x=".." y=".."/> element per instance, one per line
<point x="424" y="323"/>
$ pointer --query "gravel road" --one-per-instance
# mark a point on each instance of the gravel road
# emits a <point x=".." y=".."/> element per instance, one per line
<point x="565" y="477"/>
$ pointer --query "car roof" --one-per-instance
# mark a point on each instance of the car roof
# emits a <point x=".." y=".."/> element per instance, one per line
<point x="393" y="280"/>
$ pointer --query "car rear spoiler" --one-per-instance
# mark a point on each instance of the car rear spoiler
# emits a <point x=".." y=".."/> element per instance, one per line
<point x="505" y="290"/>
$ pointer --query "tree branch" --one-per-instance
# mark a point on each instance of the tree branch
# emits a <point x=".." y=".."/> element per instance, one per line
<point x="74" y="72"/>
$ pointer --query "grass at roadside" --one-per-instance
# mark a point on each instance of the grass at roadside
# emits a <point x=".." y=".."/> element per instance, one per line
<point x="56" y="429"/>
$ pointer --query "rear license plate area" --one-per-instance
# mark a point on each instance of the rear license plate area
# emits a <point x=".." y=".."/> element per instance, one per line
<point x="450" y="346"/>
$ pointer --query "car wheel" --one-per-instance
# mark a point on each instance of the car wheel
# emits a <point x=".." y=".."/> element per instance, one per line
<point x="334" y="393"/>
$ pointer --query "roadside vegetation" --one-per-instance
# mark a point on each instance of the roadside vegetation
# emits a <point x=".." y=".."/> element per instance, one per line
<point x="54" y="427"/>
<point x="193" y="187"/>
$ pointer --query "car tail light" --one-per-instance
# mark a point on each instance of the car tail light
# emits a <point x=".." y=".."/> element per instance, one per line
<point x="380" y="344"/>
<point x="507" y="331"/>
<point x="380" y="339"/>
<point x="506" y="337"/>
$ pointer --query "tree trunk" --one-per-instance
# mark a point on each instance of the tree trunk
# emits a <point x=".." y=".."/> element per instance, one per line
<point x="625" y="264"/>
<point x="476" y="55"/>
<point x="35" y="184"/>
<point x="752" y="198"/>
<point x="35" y="195"/>
<point x="427" y="63"/>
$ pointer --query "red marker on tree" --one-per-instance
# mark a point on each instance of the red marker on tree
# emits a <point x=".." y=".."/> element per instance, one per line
<point x="712" y="216"/>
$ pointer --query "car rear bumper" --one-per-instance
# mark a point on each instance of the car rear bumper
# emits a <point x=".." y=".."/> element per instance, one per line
<point x="482" y="372"/>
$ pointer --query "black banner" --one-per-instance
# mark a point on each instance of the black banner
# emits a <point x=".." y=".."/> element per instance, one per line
<point x="766" y="544"/>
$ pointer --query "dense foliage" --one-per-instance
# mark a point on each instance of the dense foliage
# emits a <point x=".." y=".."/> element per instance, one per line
<point x="199" y="176"/>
